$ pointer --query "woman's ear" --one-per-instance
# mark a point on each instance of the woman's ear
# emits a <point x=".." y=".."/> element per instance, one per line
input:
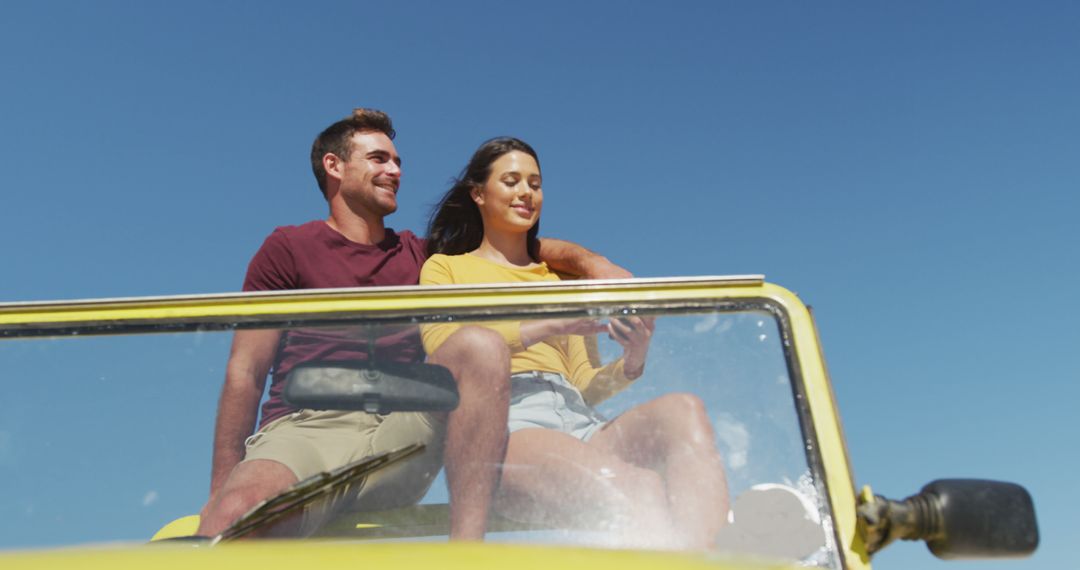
<point x="476" y="196"/>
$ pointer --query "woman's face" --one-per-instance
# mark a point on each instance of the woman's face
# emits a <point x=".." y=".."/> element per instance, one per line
<point x="510" y="200"/>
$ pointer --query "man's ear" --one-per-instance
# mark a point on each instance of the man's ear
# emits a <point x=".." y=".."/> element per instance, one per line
<point x="333" y="164"/>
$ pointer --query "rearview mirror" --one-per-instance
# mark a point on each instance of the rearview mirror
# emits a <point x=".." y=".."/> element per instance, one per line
<point x="958" y="518"/>
<point x="378" y="389"/>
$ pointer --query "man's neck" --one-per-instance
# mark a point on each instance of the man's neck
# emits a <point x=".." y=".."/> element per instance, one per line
<point x="357" y="229"/>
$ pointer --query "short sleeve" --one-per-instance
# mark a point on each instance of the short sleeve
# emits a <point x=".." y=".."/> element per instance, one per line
<point x="272" y="268"/>
<point x="417" y="245"/>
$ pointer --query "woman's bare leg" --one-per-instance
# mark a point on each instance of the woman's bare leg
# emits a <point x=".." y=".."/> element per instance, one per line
<point x="476" y="430"/>
<point x="554" y="478"/>
<point x="673" y="435"/>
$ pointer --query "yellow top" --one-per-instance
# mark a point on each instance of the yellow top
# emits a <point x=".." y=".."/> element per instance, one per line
<point x="563" y="354"/>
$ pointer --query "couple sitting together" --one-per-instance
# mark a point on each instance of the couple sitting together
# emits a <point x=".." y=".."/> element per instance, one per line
<point x="533" y="446"/>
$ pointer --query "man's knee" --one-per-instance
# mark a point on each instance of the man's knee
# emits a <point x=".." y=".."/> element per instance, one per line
<point x="235" y="503"/>
<point x="249" y="484"/>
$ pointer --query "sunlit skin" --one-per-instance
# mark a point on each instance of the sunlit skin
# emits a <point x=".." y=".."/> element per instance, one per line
<point x="362" y="188"/>
<point x="509" y="203"/>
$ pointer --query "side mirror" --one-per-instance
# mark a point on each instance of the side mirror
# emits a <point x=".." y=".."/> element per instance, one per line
<point x="379" y="389"/>
<point x="958" y="518"/>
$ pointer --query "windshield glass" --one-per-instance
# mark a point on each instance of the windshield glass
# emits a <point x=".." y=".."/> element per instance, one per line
<point x="662" y="428"/>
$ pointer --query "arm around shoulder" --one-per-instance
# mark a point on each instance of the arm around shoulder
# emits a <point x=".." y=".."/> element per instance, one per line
<point x="567" y="257"/>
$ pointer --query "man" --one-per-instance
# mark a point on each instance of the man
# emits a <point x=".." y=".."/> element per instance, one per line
<point x="359" y="172"/>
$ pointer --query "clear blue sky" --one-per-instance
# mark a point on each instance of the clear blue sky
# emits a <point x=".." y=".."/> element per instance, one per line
<point x="909" y="169"/>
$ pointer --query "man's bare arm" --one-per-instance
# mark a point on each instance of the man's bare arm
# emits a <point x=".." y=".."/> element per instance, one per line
<point x="245" y="378"/>
<point x="566" y="257"/>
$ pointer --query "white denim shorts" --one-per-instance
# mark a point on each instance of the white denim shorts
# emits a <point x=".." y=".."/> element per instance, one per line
<point x="548" y="400"/>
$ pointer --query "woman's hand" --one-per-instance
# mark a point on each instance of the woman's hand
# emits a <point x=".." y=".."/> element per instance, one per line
<point x="533" y="332"/>
<point x="634" y="334"/>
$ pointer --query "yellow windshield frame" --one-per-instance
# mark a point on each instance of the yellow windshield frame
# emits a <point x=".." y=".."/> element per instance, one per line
<point x="825" y="441"/>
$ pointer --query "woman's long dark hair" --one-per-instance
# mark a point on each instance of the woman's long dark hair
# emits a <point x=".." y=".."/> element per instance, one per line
<point x="455" y="226"/>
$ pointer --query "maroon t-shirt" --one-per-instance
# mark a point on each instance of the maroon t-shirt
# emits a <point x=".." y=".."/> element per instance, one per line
<point x="315" y="256"/>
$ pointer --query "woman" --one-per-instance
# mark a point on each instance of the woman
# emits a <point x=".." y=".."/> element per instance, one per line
<point x="652" y="474"/>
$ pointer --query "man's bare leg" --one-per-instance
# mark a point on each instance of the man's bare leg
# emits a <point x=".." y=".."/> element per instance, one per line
<point x="250" y="483"/>
<point x="476" y="430"/>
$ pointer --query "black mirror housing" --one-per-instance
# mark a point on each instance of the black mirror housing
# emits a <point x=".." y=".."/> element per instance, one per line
<point x="378" y="389"/>
<point x="958" y="518"/>
<point x="982" y="519"/>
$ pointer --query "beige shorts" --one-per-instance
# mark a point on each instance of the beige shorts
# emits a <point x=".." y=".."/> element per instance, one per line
<point x="311" y="441"/>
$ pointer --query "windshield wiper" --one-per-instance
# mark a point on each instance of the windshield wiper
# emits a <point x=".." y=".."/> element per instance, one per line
<point x="310" y="490"/>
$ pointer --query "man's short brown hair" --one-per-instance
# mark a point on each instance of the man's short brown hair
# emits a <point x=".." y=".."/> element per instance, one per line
<point x="337" y="138"/>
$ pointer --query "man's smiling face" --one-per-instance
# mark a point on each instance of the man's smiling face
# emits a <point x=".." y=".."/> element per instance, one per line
<point x="371" y="174"/>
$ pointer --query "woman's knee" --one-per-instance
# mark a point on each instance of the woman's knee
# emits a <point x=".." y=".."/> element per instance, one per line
<point x="638" y="486"/>
<point x="474" y="346"/>
<point x="686" y="417"/>
<point x="478" y="358"/>
<point x="681" y="403"/>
